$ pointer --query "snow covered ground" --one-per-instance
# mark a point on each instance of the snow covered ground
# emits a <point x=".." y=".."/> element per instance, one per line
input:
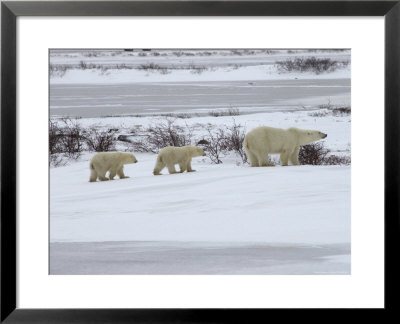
<point x="304" y="208"/>
<point x="223" y="219"/>
<point x="229" y="203"/>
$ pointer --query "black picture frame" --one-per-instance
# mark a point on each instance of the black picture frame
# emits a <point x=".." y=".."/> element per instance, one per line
<point x="9" y="13"/>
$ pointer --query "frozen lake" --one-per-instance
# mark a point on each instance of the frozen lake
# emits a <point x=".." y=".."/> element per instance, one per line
<point x="184" y="258"/>
<point x="99" y="100"/>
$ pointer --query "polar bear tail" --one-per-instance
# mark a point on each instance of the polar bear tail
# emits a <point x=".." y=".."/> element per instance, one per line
<point x="93" y="173"/>
<point x="246" y="144"/>
<point x="159" y="166"/>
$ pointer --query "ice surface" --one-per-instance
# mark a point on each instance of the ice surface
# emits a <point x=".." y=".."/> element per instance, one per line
<point x="222" y="80"/>
<point x="99" y="100"/>
<point x="197" y="258"/>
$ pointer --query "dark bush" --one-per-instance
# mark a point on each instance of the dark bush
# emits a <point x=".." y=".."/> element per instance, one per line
<point x="340" y="111"/>
<point x="71" y="138"/>
<point x="55" y="136"/>
<point x="234" y="140"/>
<point x="100" y="140"/>
<point x="227" y="112"/>
<point x="337" y="160"/>
<point x="153" y="67"/>
<point x="309" y="64"/>
<point x="56" y="160"/>
<point x="215" y="143"/>
<point x="65" y="141"/>
<point x="314" y="154"/>
<point x="162" y="134"/>
<point x="317" y="154"/>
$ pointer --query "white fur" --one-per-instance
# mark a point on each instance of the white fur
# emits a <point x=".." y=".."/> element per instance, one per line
<point x="171" y="155"/>
<point x="109" y="161"/>
<point x="261" y="141"/>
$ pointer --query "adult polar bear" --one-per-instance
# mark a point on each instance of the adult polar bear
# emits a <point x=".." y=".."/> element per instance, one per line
<point x="109" y="161"/>
<point x="261" y="141"/>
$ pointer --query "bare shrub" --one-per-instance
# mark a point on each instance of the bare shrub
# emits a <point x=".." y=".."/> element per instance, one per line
<point x="327" y="109"/>
<point x="215" y="143"/>
<point x="310" y="64"/>
<point x="162" y="134"/>
<point x="319" y="113"/>
<point x="233" y="112"/>
<point x="214" y="113"/>
<point x="100" y="140"/>
<point x="83" y="65"/>
<point x="58" y="69"/>
<point x="56" y="160"/>
<point x="196" y="68"/>
<point x="236" y="52"/>
<point x="234" y="140"/>
<point x="55" y="136"/>
<point x="317" y="154"/>
<point x="179" y="115"/>
<point x="228" y="112"/>
<point x="153" y="67"/>
<point x="341" y="111"/>
<point x="71" y="138"/>
<point x="337" y="160"/>
<point x="314" y="154"/>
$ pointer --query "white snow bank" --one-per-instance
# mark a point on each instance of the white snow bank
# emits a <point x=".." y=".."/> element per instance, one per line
<point x="219" y="203"/>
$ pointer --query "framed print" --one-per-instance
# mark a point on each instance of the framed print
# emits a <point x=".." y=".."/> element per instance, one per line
<point x="198" y="161"/>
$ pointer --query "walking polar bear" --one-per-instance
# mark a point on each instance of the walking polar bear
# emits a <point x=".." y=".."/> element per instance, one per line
<point x="261" y="141"/>
<point x="113" y="162"/>
<point x="171" y="155"/>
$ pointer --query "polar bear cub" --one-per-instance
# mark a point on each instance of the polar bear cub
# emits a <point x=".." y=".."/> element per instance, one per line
<point x="171" y="155"/>
<point x="261" y="141"/>
<point x="109" y="161"/>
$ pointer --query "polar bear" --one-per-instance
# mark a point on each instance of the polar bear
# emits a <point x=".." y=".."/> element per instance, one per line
<point x="261" y="141"/>
<point x="109" y="161"/>
<point x="171" y="155"/>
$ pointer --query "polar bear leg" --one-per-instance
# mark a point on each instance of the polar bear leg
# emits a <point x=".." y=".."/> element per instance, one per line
<point x="113" y="173"/>
<point x="101" y="173"/>
<point x="264" y="160"/>
<point x="93" y="175"/>
<point x="189" y="166"/>
<point x="182" y="166"/>
<point x="171" y="168"/>
<point x="294" y="157"/>
<point x="159" y="166"/>
<point x="252" y="158"/>
<point x="121" y="174"/>
<point x="284" y="157"/>
<point x="103" y="178"/>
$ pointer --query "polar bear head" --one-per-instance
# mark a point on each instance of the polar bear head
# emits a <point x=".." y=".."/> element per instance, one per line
<point x="308" y="136"/>
<point x="198" y="151"/>
<point x="129" y="158"/>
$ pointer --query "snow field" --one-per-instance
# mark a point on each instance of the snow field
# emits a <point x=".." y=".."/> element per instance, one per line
<point x="229" y="203"/>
